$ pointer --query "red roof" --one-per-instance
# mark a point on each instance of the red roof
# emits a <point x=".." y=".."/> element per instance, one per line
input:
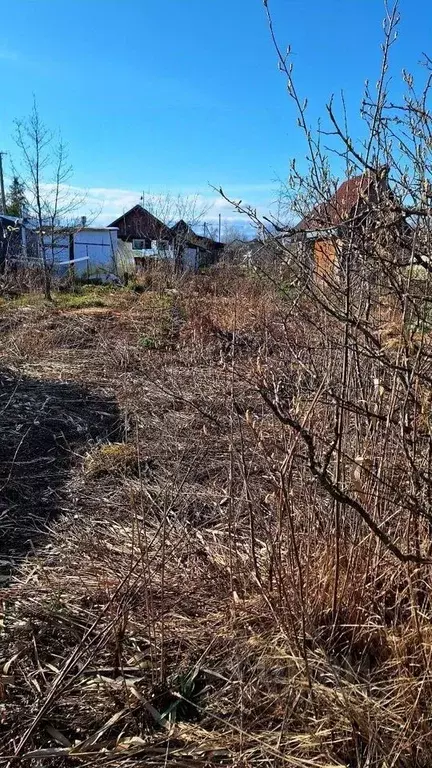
<point x="341" y="206"/>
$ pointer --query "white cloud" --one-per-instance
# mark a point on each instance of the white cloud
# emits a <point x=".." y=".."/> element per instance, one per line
<point x="102" y="205"/>
<point x="105" y="204"/>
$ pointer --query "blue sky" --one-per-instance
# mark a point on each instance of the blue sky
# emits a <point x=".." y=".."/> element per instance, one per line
<point x="171" y="95"/>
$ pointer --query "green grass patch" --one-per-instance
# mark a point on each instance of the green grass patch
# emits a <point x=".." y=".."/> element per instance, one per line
<point x="87" y="296"/>
<point x="78" y="301"/>
<point x="26" y="300"/>
<point x="148" y="342"/>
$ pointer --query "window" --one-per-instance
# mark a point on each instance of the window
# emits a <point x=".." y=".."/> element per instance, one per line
<point x="141" y="245"/>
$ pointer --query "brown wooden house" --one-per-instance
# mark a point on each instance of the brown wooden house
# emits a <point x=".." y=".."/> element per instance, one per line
<point x="196" y="251"/>
<point x="322" y="234"/>
<point x="143" y="237"/>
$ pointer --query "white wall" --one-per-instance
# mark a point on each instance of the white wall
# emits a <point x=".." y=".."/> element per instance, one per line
<point x="154" y="252"/>
<point x="60" y="252"/>
<point x="96" y="247"/>
<point x="99" y="246"/>
<point x="127" y="254"/>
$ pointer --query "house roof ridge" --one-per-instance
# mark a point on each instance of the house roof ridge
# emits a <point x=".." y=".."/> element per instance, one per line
<point x="337" y="209"/>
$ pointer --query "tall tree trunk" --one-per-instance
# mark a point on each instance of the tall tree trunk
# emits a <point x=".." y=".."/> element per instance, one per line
<point x="46" y="273"/>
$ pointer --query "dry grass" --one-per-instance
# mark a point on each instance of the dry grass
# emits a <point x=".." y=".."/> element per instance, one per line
<point x="179" y="607"/>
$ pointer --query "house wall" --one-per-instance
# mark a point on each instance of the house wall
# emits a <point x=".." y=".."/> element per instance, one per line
<point x="155" y="252"/>
<point x="57" y="252"/>
<point x="324" y="257"/>
<point x="141" y="258"/>
<point x="139" y="223"/>
<point x="99" y="246"/>
<point x="94" y="251"/>
<point x="208" y="257"/>
<point x="11" y="240"/>
<point x="190" y="259"/>
<point x="19" y="243"/>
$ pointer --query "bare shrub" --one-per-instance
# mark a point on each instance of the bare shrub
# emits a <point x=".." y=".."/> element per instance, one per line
<point x="248" y="579"/>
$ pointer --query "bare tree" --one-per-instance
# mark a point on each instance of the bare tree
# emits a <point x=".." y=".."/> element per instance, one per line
<point x="362" y="283"/>
<point x="182" y="214"/>
<point x="171" y="208"/>
<point x="235" y="232"/>
<point x="44" y="170"/>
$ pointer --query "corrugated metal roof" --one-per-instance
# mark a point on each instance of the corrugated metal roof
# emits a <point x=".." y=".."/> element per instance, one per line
<point x="95" y="229"/>
<point x="13" y="219"/>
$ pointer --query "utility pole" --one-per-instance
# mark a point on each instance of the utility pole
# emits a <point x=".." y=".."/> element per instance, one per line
<point x="219" y="227"/>
<point x="2" y="189"/>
